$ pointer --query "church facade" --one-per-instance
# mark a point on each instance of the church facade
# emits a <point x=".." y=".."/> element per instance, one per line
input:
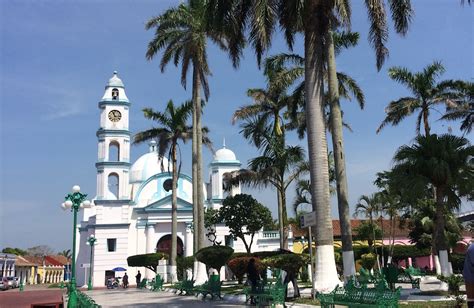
<point x="132" y="209"/>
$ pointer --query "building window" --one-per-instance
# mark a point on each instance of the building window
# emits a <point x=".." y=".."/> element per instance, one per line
<point x="229" y="240"/>
<point x="111" y="244"/>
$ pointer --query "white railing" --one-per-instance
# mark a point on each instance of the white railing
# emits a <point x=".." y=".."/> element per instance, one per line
<point x="270" y="234"/>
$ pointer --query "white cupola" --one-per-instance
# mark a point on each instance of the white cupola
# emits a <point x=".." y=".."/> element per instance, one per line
<point x="224" y="161"/>
<point x="115" y="90"/>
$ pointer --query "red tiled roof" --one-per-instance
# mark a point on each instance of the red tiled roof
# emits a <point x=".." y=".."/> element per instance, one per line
<point x="22" y="261"/>
<point x="399" y="232"/>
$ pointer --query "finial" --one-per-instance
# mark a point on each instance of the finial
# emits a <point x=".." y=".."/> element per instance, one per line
<point x="115" y="72"/>
<point x="223" y="143"/>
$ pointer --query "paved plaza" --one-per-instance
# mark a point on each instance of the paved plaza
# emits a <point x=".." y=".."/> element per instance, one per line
<point x="143" y="298"/>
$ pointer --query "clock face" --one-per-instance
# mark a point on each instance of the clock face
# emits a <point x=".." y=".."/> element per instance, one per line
<point x="115" y="115"/>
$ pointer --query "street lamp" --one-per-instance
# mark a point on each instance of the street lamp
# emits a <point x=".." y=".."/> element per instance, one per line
<point x="91" y="242"/>
<point x="74" y="201"/>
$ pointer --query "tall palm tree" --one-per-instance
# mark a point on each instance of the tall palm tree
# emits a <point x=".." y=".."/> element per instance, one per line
<point x="312" y="19"/>
<point x="445" y="163"/>
<point x="66" y="253"/>
<point x="278" y="165"/>
<point x="172" y="128"/>
<point x="182" y="33"/>
<point x="426" y="95"/>
<point x="462" y="107"/>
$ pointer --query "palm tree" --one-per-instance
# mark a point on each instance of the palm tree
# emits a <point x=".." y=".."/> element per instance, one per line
<point x="182" y="33"/>
<point x="426" y="94"/>
<point x="312" y="19"/>
<point x="462" y="107"/>
<point x="66" y="253"/>
<point x="172" y="128"/>
<point x="270" y="168"/>
<point x="444" y="163"/>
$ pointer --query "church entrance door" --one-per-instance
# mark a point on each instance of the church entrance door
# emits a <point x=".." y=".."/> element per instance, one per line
<point x="164" y="245"/>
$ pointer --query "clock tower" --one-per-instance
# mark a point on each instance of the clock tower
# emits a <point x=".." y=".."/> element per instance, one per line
<point x="113" y="162"/>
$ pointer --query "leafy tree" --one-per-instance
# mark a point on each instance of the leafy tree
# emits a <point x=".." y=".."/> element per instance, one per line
<point x="39" y="251"/>
<point x="426" y="95"/>
<point x="182" y="34"/>
<point x="278" y="165"/>
<point x="172" y="128"/>
<point x="461" y="107"/>
<point x="368" y="231"/>
<point x="312" y="19"/>
<point x="149" y="260"/>
<point x="211" y="219"/>
<point x="183" y="264"/>
<point x="244" y="216"/>
<point x="15" y="251"/>
<point x="444" y="163"/>
<point x="66" y="253"/>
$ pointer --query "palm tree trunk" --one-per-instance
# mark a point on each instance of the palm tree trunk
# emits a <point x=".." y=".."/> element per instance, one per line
<point x="282" y="217"/>
<point x="174" y="217"/>
<point x="194" y="174"/>
<point x="440" y="237"/>
<point x="200" y="275"/>
<point x="315" y="28"/>
<point x="339" y="160"/>
<point x="425" y="120"/>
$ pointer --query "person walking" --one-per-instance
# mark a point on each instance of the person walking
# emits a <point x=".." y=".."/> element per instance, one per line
<point x="468" y="274"/>
<point x="253" y="276"/>
<point x="138" y="277"/>
<point x="125" y="281"/>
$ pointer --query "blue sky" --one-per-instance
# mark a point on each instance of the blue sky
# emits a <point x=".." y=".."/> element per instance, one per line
<point x="56" y="57"/>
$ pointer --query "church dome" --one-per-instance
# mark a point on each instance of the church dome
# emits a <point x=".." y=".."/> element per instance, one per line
<point x="148" y="165"/>
<point x="115" y="81"/>
<point x="224" y="154"/>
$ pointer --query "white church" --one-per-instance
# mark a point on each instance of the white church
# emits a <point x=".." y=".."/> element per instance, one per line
<point x="132" y="211"/>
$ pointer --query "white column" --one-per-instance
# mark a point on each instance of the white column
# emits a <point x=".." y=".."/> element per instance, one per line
<point x="188" y="241"/>
<point x="150" y="247"/>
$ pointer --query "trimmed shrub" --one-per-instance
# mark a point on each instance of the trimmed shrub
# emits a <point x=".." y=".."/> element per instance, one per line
<point x="183" y="264"/>
<point x="368" y="260"/>
<point x="214" y="256"/>
<point x="290" y="263"/>
<point x="149" y="260"/>
<point x="239" y="265"/>
<point x="457" y="261"/>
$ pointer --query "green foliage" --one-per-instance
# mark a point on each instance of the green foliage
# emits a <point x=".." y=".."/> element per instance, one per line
<point x="239" y="265"/>
<point x="454" y="284"/>
<point x="290" y="263"/>
<point x="367" y="230"/>
<point x="244" y="215"/>
<point x="304" y="275"/>
<point x="368" y="260"/>
<point x="15" y="251"/>
<point x="149" y="260"/>
<point x="457" y="261"/>
<point x="214" y="256"/>
<point x="183" y="264"/>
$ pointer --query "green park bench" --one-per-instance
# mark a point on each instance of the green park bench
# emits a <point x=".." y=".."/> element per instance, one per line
<point x="84" y="301"/>
<point x="184" y="287"/>
<point x="414" y="271"/>
<point x="211" y="287"/>
<point x="143" y="283"/>
<point x="394" y="275"/>
<point x="157" y="283"/>
<point x="265" y="294"/>
<point x="365" y="277"/>
<point x="352" y="296"/>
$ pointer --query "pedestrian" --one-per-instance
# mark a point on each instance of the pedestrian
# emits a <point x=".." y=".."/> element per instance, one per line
<point x="138" y="278"/>
<point x="468" y="274"/>
<point x="253" y="276"/>
<point x="125" y="281"/>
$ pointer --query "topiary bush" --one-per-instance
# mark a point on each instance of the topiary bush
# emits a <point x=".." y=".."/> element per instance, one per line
<point x="290" y="263"/>
<point x="239" y="265"/>
<point x="183" y="264"/>
<point x="149" y="260"/>
<point x="214" y="256"/>
<point x="368" y="260"/>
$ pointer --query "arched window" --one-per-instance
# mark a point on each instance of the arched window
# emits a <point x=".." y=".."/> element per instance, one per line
<point x="114" y="186"/>
<point x="114" y="151"/>
<point x="115" y="94"/>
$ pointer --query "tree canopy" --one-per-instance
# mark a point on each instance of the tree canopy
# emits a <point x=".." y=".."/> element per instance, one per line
<point x="149" y="260"/>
